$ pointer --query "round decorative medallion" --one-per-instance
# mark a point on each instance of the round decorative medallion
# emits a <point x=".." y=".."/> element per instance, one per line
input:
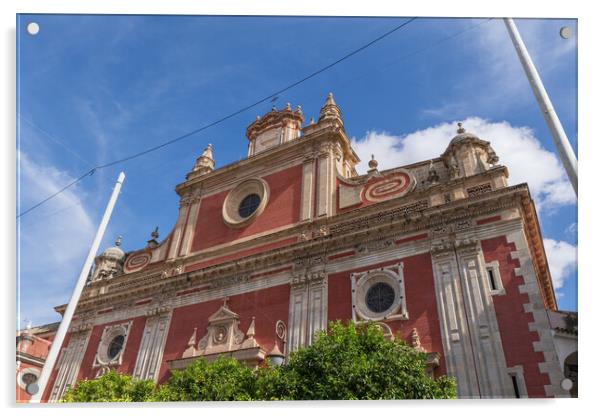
<point x="219" y="336"/>
<point x="137" y="261"/>
<point x="245" y="202"/>
<point x="391" y="186"/>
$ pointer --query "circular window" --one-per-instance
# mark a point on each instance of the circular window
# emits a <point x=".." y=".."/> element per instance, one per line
<point x="380" y="297"/>
<point x="112" y="344"/>
<point x="245" y="202"/>
<point x="115" y="346"/>
<point x="249" y="205"/>
<point x="29" y="378"/>
<point x="377" y="295"/>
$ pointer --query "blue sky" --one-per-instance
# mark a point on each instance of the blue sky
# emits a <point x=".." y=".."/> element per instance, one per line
<point x="93" y="89"/>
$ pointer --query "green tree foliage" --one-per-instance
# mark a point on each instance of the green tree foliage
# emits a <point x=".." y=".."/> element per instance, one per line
<point x="354" y="362"/>
<point x="347" y="363"/>
<point x="223" y="379"/>
<point x="111" y="387"/>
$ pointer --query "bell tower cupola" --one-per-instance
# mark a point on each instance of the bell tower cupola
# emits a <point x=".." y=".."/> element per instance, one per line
<point x="274" y="128"/>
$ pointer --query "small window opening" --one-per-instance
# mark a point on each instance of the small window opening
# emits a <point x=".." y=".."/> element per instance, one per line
<point x="492" y="282"/>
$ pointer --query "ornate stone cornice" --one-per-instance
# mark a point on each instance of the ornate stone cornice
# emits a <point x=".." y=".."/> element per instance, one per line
<point x="346" y="231"/>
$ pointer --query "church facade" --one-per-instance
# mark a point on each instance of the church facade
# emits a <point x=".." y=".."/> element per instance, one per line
<point x="442" y="254"/>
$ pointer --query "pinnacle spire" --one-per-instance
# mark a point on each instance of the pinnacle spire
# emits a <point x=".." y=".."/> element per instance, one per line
<point x="204" y="163"/>
<point x="208" y="152"/>
<point x="373" y="164"/>
<point x="330" y="110"/>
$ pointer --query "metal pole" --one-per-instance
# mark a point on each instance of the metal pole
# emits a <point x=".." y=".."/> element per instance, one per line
<point x="565" y="151"/>
<point x="37" y="389"/>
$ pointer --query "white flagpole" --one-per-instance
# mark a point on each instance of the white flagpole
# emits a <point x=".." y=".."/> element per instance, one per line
<point x="565" y="151"/>
<point x="37" y="389"/>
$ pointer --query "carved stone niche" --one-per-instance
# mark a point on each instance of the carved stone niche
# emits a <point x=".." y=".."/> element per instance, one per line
<point x="222" y="337"/>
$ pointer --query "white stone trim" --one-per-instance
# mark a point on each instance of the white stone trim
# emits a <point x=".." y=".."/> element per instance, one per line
<point x="69" y="363"/>
<point x="307" y="190"/>
<point x="178" y="230"/>
<point x="324" y="186"/>
<point x="150" y="352"/>
<point x="540" y="323"/>
<point x="308" y="308"/>
<point x="188" y="228"/>
<point x="490" y="360"/>
<point x="457" y="349"/>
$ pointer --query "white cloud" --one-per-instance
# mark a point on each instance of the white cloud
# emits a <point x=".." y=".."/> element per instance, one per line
<point x="517" y="148"/>
<point x="562" y="259"/>
<point x="571" y="230"/>
<point x="53" y="239"/>
<point x="497" y="82"/>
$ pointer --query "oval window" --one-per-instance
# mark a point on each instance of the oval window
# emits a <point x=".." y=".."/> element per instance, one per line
<point x="29" y="378"/>
<point x="248" y="205"/>
<point x="115" y="346"/>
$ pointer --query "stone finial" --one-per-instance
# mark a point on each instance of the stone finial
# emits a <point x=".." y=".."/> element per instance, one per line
<point x="118" y="241"/>
<point x="298" y="109"/>
<point x="251" y="330"/>
<point x="330" y="110"/>
<point x="312" y="121"/>
<point x="416" y="341"/>
<point x="275" y="352"/>
<point x="274" y="107"/>
<point x="460" y="128"/>
<point x="288" y="107"/>
<point x="250" y="341"/>
<point x="192" y="340"/>
<point x="373" y="164"/>
<point x="204" y="163"/>
<point x="152" y="243"/>
<point x="208" y="152"/>
<point x="190" y="347"/>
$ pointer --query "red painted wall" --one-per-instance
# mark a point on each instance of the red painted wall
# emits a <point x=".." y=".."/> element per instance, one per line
<point x="420" y="301"/>
<point x="513" y="321"/>
<point x="129" y="354"/>
<point x="282" y="209"/>
<point x="267" y="306"/>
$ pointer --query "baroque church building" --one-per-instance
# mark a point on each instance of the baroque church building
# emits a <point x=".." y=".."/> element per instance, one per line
<point x="442" y="254"/>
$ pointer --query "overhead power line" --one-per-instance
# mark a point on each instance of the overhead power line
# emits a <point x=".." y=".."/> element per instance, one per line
<point x="200" y="129"/>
